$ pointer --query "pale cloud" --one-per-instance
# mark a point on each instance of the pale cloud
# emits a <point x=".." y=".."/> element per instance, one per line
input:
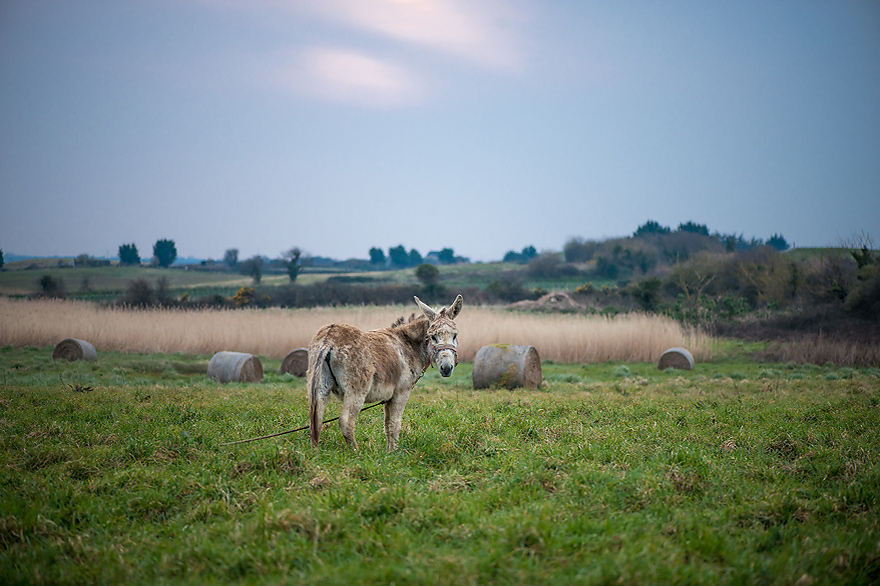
<point x="481" y="32"/>
<point x="347" y="76"/>
<point x="381" y="53"/>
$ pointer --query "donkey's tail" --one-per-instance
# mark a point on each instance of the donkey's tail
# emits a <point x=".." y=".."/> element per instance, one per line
<point x="316" y="384"/>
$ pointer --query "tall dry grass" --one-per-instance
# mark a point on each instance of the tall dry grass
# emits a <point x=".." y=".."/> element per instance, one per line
<point x="275" y="332"/>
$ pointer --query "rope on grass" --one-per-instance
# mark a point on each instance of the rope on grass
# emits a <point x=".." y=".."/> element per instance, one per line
<point x="271" y="435"/>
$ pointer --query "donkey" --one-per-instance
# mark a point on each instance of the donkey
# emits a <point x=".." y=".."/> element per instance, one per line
<point x="379" y="365"/>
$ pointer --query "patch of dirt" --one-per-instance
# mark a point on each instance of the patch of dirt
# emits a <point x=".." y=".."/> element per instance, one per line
<point x="558" y="301"/>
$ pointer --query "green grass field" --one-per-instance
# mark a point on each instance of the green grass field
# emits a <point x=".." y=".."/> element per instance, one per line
<point x="736" y="473"/>
<point x="109" y="283"/>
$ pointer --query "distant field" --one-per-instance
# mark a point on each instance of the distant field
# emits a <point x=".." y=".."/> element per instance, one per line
<point x="737" y="473"/>
<point x="80" y="281"/>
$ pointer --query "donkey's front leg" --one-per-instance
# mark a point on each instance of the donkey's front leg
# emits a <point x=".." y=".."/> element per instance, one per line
<point x="393" y="416"/>
<point x="351" y="406"/>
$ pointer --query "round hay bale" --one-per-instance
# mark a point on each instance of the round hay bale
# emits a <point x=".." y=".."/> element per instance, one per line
<point x="507" y="365"/>
<point x="676" y="358"/>
<point x="73" y="349"/>
<point x="296" y="363"/>
<point x="235" y="367"/>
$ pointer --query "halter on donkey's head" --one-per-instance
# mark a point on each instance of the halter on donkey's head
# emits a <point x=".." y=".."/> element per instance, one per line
<point x="442" y="335"/>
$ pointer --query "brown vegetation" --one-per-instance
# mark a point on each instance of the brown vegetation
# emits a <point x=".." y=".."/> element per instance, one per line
<point x="275" y="332"/>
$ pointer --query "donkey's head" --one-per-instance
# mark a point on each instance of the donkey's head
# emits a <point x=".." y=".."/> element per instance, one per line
<point x="442" y="336"/>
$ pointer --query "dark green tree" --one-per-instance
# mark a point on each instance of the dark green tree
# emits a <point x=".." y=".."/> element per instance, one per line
<point x="128" y="254"/>
<point x="651" y="227"/>
<point x="377" y="257"/>
<point x="447" y="256"/>
<point x="2" y="262"/>
<point x="522" y="257"/>
<point x="778" y="242"/>
<point x="690" y="226"/>
<point x="398" y="256"/>
<point x="165" y="252"/>
<point x="415" y="258"/>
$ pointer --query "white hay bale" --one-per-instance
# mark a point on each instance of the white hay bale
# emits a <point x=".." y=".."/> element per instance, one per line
<point x="676" y="358"/>
<point x="235" y="367"/>
<point x="296" y="363"/>
<point x="73" y="349"/>
<point x="507" y="365"/>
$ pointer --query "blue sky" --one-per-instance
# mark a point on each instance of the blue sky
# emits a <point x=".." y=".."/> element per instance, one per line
<point x="484" y="126"/>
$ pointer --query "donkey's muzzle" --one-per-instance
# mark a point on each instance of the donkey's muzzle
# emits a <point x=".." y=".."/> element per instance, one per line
<point x="445" y="358"/>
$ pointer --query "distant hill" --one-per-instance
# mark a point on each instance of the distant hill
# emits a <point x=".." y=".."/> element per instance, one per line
<point x="11" y="257"/>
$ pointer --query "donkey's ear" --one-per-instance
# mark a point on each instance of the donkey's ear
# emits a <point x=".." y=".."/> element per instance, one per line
<point x="455" y="308"/>
<point x="429" y="313"/>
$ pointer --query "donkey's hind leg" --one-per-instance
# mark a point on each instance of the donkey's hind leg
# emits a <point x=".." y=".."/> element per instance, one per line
<point x="321" y="383"/>
<point x="393" y="417"/>
<point x="352" y="404"/>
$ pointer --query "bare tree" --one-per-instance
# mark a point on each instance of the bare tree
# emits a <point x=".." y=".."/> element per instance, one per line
<point x="295" y="261"/>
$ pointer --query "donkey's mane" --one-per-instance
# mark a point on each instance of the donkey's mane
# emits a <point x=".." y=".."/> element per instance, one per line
<point x="403" y="320"/>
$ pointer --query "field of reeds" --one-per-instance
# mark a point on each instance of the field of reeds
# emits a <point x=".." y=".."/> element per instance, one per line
<point x="275" y="332"/>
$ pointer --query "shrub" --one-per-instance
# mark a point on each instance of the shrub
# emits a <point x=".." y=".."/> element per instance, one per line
<point x="864" y="298"/>
<point x="681" y="245"/>
<point x="622" y="371"/>
<point x="508" y="290"/>
<point x="335" y="293"/>
<point x="579" y="250"/>
<point x="139" y="294"/>
<point x="50" y="287"/>
<point x="545" y="266"/>
<point x="427" y="274"/>
<point x="243" y="296"/>
<point x="829" y="278"/>
<point x="623" y="257"/>
<point x="606" y="268"/>
<point x="585" y="289"/>
<point x="646" y="293"/>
